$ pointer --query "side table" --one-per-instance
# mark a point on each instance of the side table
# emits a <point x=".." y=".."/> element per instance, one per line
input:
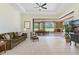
<point x="2" y="46"/>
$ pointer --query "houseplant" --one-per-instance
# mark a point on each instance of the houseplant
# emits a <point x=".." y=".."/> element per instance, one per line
<point x="67" y="28"/>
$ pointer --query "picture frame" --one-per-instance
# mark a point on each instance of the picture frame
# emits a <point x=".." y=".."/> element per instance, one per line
<point x="27" y="24"/>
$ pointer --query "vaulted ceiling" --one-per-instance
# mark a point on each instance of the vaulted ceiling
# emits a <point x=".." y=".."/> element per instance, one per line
<point x="53" y="9"/>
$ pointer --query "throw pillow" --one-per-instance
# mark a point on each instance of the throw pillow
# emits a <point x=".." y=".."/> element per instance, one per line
<point x="3" y="36"/>
<point x="19" y="33"/>
<point x="7" y="36"/>
<point x="11" y="36"/>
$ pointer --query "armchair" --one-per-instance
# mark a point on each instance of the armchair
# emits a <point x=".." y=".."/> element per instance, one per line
<point x="33" y="36"/>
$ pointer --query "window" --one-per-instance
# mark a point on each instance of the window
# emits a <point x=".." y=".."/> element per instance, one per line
<point x="36" y="26"/>
<point x="49" y="26"/>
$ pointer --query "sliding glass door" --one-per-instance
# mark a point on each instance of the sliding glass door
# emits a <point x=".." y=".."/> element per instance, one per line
<point x="36" y="26"/>
<point x="49" y="26"/>
<point x="44" y="26"/>
<point x="39" y="26"/>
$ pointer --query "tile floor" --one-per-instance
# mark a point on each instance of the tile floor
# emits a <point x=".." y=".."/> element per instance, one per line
<point x="52" y="44"/>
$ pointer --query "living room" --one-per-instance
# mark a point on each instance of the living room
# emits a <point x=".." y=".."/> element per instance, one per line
<point x="17" y="26"/>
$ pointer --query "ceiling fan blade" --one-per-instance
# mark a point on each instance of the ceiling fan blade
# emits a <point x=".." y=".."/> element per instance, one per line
<point x="43" y="4"/>
<point x="38" y="4"/>
<point x="44" y="7"/>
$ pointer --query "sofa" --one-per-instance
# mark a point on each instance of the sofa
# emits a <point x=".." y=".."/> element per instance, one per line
<point x="13" y="39"/>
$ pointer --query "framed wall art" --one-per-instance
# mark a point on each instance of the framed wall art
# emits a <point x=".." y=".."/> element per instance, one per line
<point x="27" y="24"/>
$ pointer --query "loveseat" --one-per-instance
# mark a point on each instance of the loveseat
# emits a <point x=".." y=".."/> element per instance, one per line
<point x="13" y="39"/>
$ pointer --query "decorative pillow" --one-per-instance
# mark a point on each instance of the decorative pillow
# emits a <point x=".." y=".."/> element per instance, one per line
<point x="19" y="33"/>
<point x="23" y="34"/>
<point x="11" y="35"/>
<point x="33" y="34"/>
<point x="3" y="36"/>
<point x="16" y="34"/>
<point x="7" y="36"/>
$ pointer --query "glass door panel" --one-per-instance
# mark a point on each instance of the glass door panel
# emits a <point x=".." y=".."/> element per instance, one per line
<point x="44" y="26"/>
<point x="36" y="26"/>
<point x="49" y="26"/>
<point x="41" y="26"/>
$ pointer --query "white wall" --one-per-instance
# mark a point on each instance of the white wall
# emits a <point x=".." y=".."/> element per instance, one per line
<point x="9" y="19"/>
<point x="76" y="11"/>
<point x="25" y="18"/>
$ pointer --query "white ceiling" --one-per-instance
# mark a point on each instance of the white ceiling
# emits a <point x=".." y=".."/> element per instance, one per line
<point x="53" y="9"/>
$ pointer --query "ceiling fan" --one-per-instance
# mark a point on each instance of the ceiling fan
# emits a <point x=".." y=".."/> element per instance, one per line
<point x="41" y="6"/>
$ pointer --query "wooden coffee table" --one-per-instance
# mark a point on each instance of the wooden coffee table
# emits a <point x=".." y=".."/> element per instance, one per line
<point x="2" y="46"/>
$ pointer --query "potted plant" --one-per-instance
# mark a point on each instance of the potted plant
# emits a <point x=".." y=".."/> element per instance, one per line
<point x="67" y="30"/>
